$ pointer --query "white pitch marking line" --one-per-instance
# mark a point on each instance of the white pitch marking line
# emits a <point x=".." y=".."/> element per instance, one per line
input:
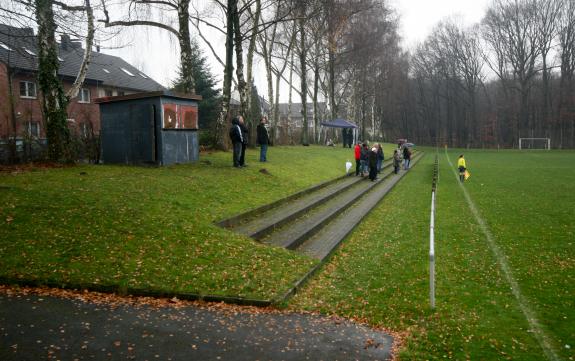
<point x="529" y="314"/>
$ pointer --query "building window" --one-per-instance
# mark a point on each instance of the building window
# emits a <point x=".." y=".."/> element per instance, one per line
<point x="30" y="52"/>
<point x="86" y="129"/>
<point x="33" y="129"/>
<point x="84" y="95"/>
<point x="127" y="71"/>
<point x="120" y="93"/>
<point x="4" y="46"/>
<point x="27" y="89"/>
<point x="109" y="93"/>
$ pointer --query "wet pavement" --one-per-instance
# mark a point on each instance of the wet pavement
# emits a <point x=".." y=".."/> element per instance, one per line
<point x="36" y="327"/>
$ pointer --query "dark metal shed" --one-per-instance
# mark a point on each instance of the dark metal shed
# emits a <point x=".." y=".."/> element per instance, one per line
<point x="149" y="128"/>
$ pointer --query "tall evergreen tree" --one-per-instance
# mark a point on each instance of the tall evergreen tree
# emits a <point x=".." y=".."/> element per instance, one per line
<point x="205" y="85"/>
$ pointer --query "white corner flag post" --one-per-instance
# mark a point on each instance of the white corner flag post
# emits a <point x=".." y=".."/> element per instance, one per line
<point x="432" y="252"/>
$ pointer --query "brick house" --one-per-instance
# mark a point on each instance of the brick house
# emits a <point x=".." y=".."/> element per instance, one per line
<point x="22" y="118"/>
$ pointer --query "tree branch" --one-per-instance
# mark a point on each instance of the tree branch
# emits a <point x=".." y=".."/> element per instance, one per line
<point x="158" y="2"/>
<point x="140" y="23"/>
<point x="69" y="8"/>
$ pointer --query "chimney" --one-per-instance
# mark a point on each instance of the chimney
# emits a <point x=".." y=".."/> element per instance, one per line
<point x="64" y="41"/>
<point x="97" y="48"/>
<point x="75" y="44"/>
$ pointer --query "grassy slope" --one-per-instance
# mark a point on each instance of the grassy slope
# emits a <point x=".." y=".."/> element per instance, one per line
<point x="153" y="227"/>
<point x="380" y="273"/>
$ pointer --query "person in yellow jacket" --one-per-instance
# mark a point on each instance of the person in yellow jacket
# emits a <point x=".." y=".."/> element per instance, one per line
<point x="462" y="167"/>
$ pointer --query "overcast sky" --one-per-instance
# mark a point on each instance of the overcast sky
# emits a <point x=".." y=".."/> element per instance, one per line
<point x="156" y="53"/>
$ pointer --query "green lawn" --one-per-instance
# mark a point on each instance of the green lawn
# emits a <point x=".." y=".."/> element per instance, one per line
<point x="153" y="228"/>
<point x="380" y="274"/>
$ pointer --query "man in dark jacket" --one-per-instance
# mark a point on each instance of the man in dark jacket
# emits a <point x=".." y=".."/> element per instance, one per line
<point x="263" y="139"/>
<point x="364" y="159"/>
<point x="244" y="130"/>
<point x="372" y="161"/>
<point x="237" y="139"/>
<point x="406" y="157"/>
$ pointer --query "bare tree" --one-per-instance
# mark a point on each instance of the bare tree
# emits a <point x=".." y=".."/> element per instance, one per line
<point x="547" y="12"/>
<point x="141" y="12"/>
<point x="567" y="84"/>
<point x="54" y="101"/>
<point x="302" y="13"/>
<point x="88" y="44"/>
<point x="510" y="29"/>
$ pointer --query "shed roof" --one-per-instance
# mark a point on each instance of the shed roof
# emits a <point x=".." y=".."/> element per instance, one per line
<point x="162" y="93"/>
<point x="71" y="54"/>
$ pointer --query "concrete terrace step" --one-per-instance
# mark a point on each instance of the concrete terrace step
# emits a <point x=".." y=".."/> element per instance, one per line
<point x="269" y="220"/>
<point x="266" y="222"/>
<point x="304" y="227"/>
<point x="322" y="244"/>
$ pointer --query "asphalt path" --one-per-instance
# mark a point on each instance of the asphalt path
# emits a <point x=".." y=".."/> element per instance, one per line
<point x="36" y="327"/>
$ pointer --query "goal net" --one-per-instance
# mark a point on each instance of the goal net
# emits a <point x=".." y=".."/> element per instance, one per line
<point x="535" y="143"/>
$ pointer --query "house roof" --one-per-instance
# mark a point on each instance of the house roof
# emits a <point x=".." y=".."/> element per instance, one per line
<point x="296" y="109"/>
<point x="339" y="123"/>
<point x="104" y="69"/>
<point x="235" y="100"/>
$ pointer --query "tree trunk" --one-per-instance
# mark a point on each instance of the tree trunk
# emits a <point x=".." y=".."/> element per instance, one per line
<point x="316" y="74"/>
<point x="250" y="60"/>
<point x="188" y="81"/>
<point x="289" y="125"/>
<point x="242" y="85"/>
<point x="73" y="91"/>
<point x="269" y="78"/>
<point x="13" y="124"/>
<point x="331" y="68"/>
<point x="277" y="109"/>
<point x="228" y="74"/>
<point x="302" y="60"/>
<point x="54" y="101"/>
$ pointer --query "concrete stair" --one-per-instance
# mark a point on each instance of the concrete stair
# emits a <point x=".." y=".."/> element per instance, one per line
<point x="315" y="222"/>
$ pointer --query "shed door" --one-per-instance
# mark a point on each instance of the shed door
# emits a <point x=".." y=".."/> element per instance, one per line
<point x="141" y="137"/>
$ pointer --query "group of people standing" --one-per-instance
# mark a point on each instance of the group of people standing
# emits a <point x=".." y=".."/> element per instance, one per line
<point x="240" y="138"/>
<point x="369" y="161"/>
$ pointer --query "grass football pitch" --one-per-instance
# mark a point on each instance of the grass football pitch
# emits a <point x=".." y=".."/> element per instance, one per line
<point x="525" y="200"/>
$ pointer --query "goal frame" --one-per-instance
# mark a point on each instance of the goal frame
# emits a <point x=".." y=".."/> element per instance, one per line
<point x="548" y="143"/>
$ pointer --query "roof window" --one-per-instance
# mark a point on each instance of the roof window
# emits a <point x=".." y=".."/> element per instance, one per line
<point x="28" y="51"/>
<point x="106" y="70"/>
<point x="60" y="59"/>
<point x="127" y="71"/>
<point x="4" y="46"/>
<point x="143" y="75"/>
